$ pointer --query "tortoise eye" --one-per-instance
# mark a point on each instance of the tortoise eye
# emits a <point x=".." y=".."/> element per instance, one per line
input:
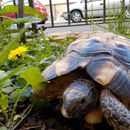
<point x="82" y="100"/>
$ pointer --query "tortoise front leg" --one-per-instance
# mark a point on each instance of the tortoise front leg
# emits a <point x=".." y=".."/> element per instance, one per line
<point x="116" y="113"/>
<point x="93" y="117"/>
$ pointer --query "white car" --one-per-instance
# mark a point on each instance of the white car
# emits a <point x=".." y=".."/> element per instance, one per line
<point x="95" y="9"/>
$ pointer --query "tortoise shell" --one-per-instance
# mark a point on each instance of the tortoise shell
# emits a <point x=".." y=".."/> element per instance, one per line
<point x="104" y="56"/>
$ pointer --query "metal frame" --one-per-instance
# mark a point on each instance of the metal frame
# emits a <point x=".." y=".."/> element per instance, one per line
<point x="34" y="27"/>
<point x="68" y="12"/>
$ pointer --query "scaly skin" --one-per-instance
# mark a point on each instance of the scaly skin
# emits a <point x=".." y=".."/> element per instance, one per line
<point x="79" y="98"/>
<point x="116" y="113"/>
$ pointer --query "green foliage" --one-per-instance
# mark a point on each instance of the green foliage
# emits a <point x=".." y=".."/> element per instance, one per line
<point x="10" y="21"/>
<point x="4" y="105"/>
<point x="5" y="77"/>
<point x="3" y="128"/>
<point x="4" y="83"/>
<point x="22" y="76"/>
<point x="117" y="20"/>
<point x="27" y="10"/>
<point x="33" y="15"/>
<point x="3" y="55"/>
<point x="33" y="78"/>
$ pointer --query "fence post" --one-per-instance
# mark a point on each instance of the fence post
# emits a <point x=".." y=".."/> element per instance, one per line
<point x="68" y="12"/>
<point x="51" y="12"/>
<point x="34" y="26"/>
<point x="16" y="15"/>
<point x="1" y="19"/>
<point x="104" y="11"/>
<point x="86" y="14"/>
<point x="21" y="15"/>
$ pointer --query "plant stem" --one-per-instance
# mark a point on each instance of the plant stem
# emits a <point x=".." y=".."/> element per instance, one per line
<point x="15" y="105"/>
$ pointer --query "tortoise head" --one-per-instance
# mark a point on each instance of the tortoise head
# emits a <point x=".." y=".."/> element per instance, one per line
<point x="79" y="98"/>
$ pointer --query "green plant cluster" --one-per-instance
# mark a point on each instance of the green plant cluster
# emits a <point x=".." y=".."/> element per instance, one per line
<point x="120" y="24"/>
<point x="21" y="75"/>
<point x="33" y="14"/>
<point x="115" y="18"/>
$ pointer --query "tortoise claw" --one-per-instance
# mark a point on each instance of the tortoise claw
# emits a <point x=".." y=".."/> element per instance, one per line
<point x="116" y="113"/>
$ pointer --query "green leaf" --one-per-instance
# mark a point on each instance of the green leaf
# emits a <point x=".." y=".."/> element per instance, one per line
<point x="4" y="101"/>
<point x="16" y="117"/>
<point x="4" y="53"/>
<point x="27" y="10"/>
<point x="9" y="9"/>
<point x="14" y="95"/>
<point x="12" y="73"/>
<point x="6" y="82"/>
<point x="19" y="20"/>
<point x="4" y="104"/>
<point x="25" y="93"/>
<point x="8" y="90"/>
<point x="3" y="128"/>
<point x="33" y="77"/>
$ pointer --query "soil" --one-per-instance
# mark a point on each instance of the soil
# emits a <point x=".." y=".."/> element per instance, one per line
<point x="50" y="119"/>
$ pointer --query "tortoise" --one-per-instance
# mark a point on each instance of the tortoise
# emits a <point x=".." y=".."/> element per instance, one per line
<point x="92" y="76"/>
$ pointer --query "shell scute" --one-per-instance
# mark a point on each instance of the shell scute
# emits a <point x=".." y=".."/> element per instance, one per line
<point x="122" y="53"/>
<point x="105" y="56"/>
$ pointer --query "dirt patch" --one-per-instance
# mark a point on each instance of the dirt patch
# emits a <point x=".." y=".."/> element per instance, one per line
<point x="49" y="119"/>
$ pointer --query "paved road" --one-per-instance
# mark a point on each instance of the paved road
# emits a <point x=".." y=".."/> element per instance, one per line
<point x="80" y="28"/>
<point x="74" y="28"/>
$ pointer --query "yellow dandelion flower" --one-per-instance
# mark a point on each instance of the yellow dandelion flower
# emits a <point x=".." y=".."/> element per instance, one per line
<point x="14" y="54"/>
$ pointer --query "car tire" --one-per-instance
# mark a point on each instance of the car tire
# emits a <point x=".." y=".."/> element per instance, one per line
<point x="128" y="12"/>
<point x="76" y="16"/>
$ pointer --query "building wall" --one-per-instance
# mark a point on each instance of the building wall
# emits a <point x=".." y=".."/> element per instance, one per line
<point x="58" y="9"/>
<point x="46" y="2"/>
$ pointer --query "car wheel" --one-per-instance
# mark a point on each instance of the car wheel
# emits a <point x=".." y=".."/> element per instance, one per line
<point x="76" y="16"/>
<point x="128" y="12"/>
